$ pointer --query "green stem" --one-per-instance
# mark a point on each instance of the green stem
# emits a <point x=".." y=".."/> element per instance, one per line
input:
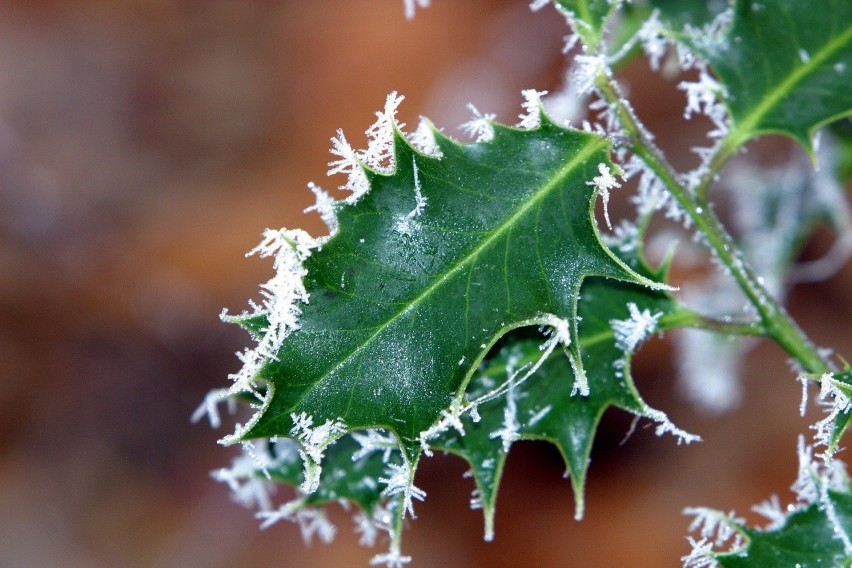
<point x="776" y="321"/>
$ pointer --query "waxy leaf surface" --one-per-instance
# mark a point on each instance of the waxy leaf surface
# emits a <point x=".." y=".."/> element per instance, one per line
<point x="404" y="306"/>
<point x="786" y="65"/>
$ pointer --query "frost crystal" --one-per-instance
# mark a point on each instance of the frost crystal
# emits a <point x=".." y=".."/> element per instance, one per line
<point x="400" y="481"/>
<point x="391" y="559"/>
<point x="586" y="70"/>
<point x="314" y="442"/>
<point x="837" y="401"/>
<point x="701" y="555"/>
<point x="374" y="441"/>
<point x="629" y="333"/>
<point x="771" y="509"/>
<point x="714" y="526"/>
<point x="532" y="105"/>
<point x="509" y="432"/>
<point x="348" y="164"/>
<point x="604" y="183"/>
<point x="412" y="5"/>
<point x="378" y="155"/>
<point x="324" y="206"/>
<point x="654" y="40"/>
<point x="479" y="127"/>
<point x="403" y="225"/>
<point x="423" y="139"/>
<point x="210" y="407"/>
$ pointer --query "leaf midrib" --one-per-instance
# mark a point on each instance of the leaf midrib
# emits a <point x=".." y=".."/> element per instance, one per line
<point x="742" y="130"/>
<point x="592" y="146"/>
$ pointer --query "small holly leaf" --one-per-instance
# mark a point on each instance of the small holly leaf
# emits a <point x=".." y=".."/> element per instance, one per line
<point x="808" y="539"/>
<point x="836" y="394"/>
<point x="785" y="66"/>
<point x="427" y="270"/>
<point x="542" y="407"/>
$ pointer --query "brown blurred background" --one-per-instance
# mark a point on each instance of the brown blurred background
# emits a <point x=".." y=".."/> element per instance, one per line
<point x="144" y="146"/>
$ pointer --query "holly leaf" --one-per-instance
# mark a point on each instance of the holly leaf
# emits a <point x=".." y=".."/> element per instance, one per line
<point x="785" y="66"/>
<point x="837" y="387"/>
<point x="437" y="261"/>
<point x="542" y="407"/>
<point x="808" y="539"/>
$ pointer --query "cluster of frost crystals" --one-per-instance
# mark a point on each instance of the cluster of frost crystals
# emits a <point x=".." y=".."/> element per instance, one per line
<point x="531" y="118"/>
<point x="423" y="139"/>
<point x="480" y="127"/>
<point x="314" y="441"/>
<point x="834" y="396"/>
<point x="400" y="481"/>
<point x="603" y="183"/>
<point x="404" y="225"/>
<point x="245" y="477"/>
<point x="719" y="533"/>
<point x="378" y="155"/>
<point x="629" y="333"/>
<point x="283" y="296"/>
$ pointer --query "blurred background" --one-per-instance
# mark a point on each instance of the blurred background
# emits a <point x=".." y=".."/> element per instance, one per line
<point x="145" y="145"/>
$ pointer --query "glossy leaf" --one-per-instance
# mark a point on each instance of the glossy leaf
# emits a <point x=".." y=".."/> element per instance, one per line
<point x="786" y="65"/>
<point x="400" y="317"/>
<point x="542" y="407"/>
<point x="807" y="540"/>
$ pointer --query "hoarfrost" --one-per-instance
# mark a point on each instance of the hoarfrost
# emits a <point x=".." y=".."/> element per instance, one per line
<point x="510" y="431"/>
<point x="403" y="225"/>
<point x="480" y="126"/>
<point x="629" y="333"/>
<point x="400" y="481"/>
<point x="772" y="511"/>
<point x="210" y="407"/>
<point x="532" y="105"/>
<point x="374" y="441"/>
<point x="314" y="441"/>
<point x="701" y="555"/>
<point x="603" y="183"/>
<point x="324" y="206"/>
<point x="714" y="526"/>
<point x="423" y="139"/>
<point x="834" y="396"/>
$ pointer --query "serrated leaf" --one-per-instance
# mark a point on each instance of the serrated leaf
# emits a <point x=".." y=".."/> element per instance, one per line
<point x="399" y="318"/>
<point x="808" y="539"/>
<point x="343" y="477"/>
<point x="842" y="382"/>
<point x="542" y="407"/>
<point x="786" y="65"/>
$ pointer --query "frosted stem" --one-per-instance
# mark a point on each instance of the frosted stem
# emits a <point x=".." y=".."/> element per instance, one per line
<point x="777" y="322"/>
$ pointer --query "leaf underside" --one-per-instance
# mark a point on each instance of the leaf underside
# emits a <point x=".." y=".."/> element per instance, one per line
<point x="398" y="320"/>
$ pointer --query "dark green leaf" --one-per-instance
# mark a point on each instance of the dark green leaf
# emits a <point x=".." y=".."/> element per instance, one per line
<point x="399" y="320"/>
<point x="807" y="540"/>
<point x="786" y="65"/>
<point x="543" y="407"/>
